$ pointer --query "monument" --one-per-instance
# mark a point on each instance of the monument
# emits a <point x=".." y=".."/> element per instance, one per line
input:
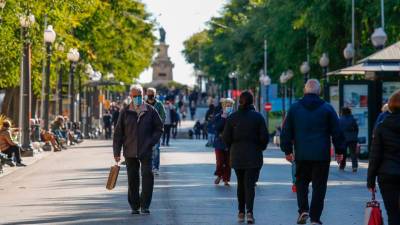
<point x="162" y="64"/>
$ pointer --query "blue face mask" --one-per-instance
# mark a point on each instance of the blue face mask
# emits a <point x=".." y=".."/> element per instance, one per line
<point x="138" y="100"/>
<point x="228" y="110"/>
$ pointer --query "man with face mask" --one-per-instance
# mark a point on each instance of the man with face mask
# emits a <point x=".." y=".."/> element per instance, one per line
<point x="138" y="130"/>
<point x="151" y="100"/>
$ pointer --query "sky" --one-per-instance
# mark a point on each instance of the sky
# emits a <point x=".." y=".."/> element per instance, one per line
<point x="181" y="19"/>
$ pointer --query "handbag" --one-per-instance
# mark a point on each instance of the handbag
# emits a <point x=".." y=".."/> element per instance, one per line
<point x="277" y="140"/>
<point x="112" y="177"/>
<point x="373" y="212"/>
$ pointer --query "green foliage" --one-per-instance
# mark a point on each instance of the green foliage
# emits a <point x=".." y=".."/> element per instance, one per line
<point x="114" y="36"/>
<point x="234" y="40"/>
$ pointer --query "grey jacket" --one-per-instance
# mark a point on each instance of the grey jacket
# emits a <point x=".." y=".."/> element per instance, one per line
<point x="137" y="133"/>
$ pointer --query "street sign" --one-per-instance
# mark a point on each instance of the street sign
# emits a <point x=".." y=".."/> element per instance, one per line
<point x="268" y="106"/>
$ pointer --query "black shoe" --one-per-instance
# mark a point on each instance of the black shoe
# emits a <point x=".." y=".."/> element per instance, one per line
<point x="9" y="163"/>
<point x="20" y="165"/>
<point x="303" y="217"/>
<point x="145" y="211"/>
<point x="135" y="212"/>
<point x="250" y="218"/>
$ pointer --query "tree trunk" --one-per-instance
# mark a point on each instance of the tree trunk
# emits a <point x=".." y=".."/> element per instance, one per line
<point x="10" y="106"/>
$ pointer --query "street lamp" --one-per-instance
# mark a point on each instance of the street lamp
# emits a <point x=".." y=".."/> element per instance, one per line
<point x="305" y="69"/>
<point x="265" y="80"/>
<point x="49" y="38"/>
<point x="349" y="53"/>
<point x="60" y="47"/>
<point x="283" y="79"/>
<point x="26" y="21"/>
<point x="324" y="63"/>
<point x="73" y="57"/>
<point x="379" y="38"/>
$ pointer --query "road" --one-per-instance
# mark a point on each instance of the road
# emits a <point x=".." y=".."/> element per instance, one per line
<point x="69" y="188"/>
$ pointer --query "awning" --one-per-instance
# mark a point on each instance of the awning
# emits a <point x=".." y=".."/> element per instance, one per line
<point x="361" y="68"/>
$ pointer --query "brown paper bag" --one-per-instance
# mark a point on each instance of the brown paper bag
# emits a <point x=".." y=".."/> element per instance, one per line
<point x="112" y="177"/>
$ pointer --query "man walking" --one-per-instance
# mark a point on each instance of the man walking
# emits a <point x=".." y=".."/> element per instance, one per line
<point x="310" y="125"/>
<point x="138" y="130"/>
<point x="151" y="100"/>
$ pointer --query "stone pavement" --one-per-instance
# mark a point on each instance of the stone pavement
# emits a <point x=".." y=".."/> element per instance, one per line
<point x="69" y="188"/>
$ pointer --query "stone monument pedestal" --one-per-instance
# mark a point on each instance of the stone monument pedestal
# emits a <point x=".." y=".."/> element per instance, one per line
<point x="162" y="66"/>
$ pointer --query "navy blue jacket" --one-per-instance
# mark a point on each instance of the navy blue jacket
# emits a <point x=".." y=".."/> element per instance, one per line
<point x="308" y="128"/>
<point x="349" y="127"/>
<point x="218" y="124"/>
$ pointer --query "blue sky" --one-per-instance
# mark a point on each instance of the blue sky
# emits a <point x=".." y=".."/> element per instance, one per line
<point x="181" y="19"/>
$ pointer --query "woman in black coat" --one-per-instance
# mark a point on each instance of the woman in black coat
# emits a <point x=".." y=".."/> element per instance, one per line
<point x="384" y="161"/>
<point x="246" y="136"/>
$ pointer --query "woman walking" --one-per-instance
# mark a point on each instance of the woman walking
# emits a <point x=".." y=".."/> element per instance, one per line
<point x="349" y="127"/>
<point x="223" y="168"/>
<point x="384" y="160"/>
<point x="246" y="136"/>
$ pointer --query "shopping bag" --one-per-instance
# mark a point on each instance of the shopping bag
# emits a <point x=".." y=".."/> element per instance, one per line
<point x="373" y="212"/>
<point x="112" y="177"/>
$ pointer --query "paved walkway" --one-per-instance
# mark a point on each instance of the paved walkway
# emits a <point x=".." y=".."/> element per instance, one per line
<point x="69" y="188"/>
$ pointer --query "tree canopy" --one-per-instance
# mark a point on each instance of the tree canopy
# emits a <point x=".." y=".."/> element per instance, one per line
<point x="114" y="36"/>
<point x="234" y="40"/>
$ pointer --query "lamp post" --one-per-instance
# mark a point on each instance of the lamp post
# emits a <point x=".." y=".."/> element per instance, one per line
<point x="49" y="38"/>
<point x="26" y="21"/>
<point x="110" y="77"/>
<point x="60" y="48"/>
<point x="324" y="63"/>
<point x="289" y="76"/>
<point x="349" y="53"/>
<point x="379" y="38"/>
<point x="265" y="81"/>
<point x="88" y="123"/>
<point x="283" y="80"/>
<point x="73" y="57"/>
<point x="305" y="70"/>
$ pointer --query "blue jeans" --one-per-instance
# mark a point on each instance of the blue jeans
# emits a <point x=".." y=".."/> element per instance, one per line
<point x="156" y="156"/>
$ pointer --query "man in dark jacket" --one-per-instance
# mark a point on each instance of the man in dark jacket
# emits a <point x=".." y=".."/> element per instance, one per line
<point x="107" y="122"/>
<point x="306" y="138"/>
<point x="246" y="136"/>
<point x="138" y="130"/>
<point x="349" y="127"/>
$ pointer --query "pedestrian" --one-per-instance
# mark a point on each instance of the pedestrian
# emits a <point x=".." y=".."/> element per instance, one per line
<point x="384" y="160"/>
<point x="138" y="130"/>
<point x="349" y="127"/>
<point x="107" y="122"/>
<point x="306" y="139"/>
<point x="384" y="113"/>
<point x="115" y="115"/>
<point x="223" y="167"/>
<point x="246" y="136"/>
<point x="167" y="123"/>
<point x="197" y="129"/>
<point x="152" y="100"/>
<point x="8" y="146"/>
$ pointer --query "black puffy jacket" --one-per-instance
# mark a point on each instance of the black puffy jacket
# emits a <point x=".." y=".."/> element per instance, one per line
<point x="246" y="136"/>
<point x="384" y="157"/>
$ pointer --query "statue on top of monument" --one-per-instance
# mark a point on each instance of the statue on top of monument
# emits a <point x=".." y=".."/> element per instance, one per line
<point x="162" y="34"/>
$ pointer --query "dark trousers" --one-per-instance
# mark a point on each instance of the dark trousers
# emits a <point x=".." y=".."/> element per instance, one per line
<point x="143" y="200"/>
<point x="352" y="146"/>
<point x="174" y="130"/>
<point x="390" y="191"/>
<point x="108" y="131"/>
<point x="223" y="168"/>
<point x="17" y="153"/>
<point x="316" y="172"/>
<point x="166" y="134"/>
<point x="246" y="179"/>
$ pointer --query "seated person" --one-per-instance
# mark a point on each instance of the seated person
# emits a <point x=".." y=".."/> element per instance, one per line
<point x="7" y="146"/>
<point x="49" y="137"/>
